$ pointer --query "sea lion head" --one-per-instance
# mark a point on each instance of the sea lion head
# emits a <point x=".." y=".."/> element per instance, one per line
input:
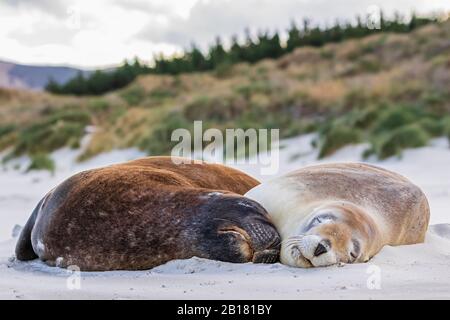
<point x="238" y="230"/>
<point x="331" y="234"/>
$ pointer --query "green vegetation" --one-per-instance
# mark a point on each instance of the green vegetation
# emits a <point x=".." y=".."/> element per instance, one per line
<point x="162" y="93"/>
<point x="393" y="118"/>
<point x="389" y="128"/>
<point x="159" y="142"/>
<point x="213" y="109"/>
<point x="98" y="106"/>
<point x="433" y="127"/>
<point x="63" y="128"/>
<point x="408" y="136"/>
<point x="133" y="95"/>
<point x="41" y="161"/>
<point x="6" y="135"/>
<point x="446" y="127"/>
<point x="100" y="81"/>
<point x="6" y="129"/>
<point x="218" y="58"/>
<point x="336" y="138"/>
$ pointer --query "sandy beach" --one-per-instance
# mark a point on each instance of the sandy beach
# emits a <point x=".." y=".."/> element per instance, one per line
<point x="407" y="272"/>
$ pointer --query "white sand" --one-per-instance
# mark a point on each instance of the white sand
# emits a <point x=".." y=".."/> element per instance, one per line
<point x="411" y="272"/>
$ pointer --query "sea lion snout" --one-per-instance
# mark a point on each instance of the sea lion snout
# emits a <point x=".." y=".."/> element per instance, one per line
<point x="266" y="243"/>
<point x="308" y="251"/>
<point x="256" y="242"/>
<point x="325" y="241"/>
<point x="264" y="238"/>
<point x="242" y="229"/>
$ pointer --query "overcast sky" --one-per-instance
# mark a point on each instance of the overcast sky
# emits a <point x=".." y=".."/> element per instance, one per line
<point x="104" y="32"/>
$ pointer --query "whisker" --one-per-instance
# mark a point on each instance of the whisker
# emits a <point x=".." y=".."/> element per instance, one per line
<point x="295" y="238"/>
<point x="292" y="240"/>
<point x="290" y="244"/>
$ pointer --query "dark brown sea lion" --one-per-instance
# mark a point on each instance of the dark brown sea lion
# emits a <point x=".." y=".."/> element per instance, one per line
<point x="145" y="212"/>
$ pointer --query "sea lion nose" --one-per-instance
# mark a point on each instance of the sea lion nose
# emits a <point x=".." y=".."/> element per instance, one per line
<point x="320" y="249"/>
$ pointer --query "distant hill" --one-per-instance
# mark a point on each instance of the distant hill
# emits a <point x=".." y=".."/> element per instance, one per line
<point x="20" y="76"/>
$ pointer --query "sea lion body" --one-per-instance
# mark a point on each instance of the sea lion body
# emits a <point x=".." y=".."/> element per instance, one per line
<point x="345" y="212"/>
<point x="143" y="213"/>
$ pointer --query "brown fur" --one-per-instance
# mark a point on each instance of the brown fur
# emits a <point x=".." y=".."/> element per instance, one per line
<point x="145" y="212"/>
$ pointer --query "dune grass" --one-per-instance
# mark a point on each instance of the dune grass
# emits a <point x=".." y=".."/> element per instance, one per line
<point x="41" y="161"/>
<point x="64" y="128"/>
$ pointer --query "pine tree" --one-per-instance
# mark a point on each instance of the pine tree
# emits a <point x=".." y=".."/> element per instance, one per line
<point x="294" y="39"/>
<point x="249" y="49"/>
<point x="277" y="49"/>
<point x="52" y="86"/>
<point x="161" y="64"/>
<point x="196" y="59"/>
<point x="236" y="52"/>
<point x="76" y="86"/>
<point x="217" y="53"/>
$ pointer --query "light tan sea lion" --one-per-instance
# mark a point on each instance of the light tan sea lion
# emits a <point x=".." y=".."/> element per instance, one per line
<point x="332" y="213"/>
<point x="143" y="213"/>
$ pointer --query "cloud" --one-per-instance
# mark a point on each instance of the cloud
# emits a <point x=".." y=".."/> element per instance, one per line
<point x="54" y="7"/>
<point x="207" y="19"/>
<point x="42" y="31"/>
<point x="144" y="6"/>
<point x="103" y="35"/>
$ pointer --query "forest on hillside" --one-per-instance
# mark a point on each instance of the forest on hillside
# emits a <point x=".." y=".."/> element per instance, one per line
<point x="218" y="57"/>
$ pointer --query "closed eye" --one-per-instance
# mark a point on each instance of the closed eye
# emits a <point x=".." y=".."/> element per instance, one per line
<point x="356" y="249"/>
<point x="319" y="219"/>
<point x="323" y="218"/>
